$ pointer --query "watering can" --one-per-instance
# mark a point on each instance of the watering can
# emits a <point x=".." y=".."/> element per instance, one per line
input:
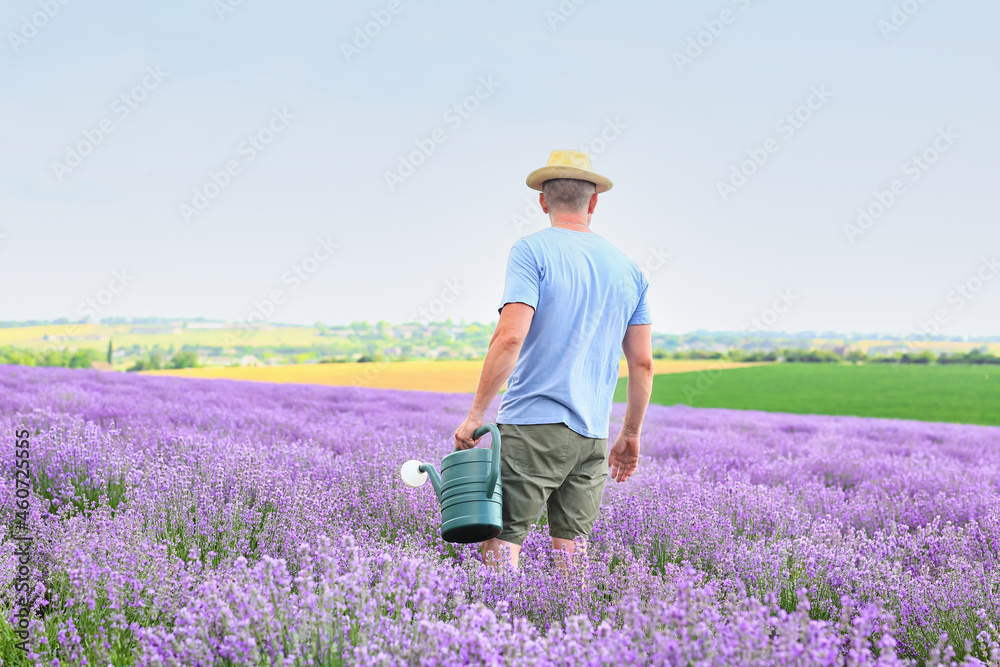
<point x="468" y="489"/>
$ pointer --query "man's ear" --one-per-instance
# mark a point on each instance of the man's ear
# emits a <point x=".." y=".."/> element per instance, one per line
<point x="541" y="202"/>
<point x="593" y="203"/>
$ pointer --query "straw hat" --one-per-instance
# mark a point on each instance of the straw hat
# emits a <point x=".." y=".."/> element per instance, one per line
<point x="568" y="164"/>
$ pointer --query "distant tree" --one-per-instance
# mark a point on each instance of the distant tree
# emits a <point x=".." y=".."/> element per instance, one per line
<point x="694" y="354"/>
<point x="155" y="362"/>
<point x="13" y="355"/>
<point x="886" y="359"/>
<point x="760" y="355"/>
<point x="810" y="356"/>
<point x="110" y="350"/>
<point x="981" y="356"/>
<point x="973" y="356"/>
<point x="55" y="358"/>
<point x="924" y="357"/>
<point x="82" y="358"/>
<point x="184" y="359"/>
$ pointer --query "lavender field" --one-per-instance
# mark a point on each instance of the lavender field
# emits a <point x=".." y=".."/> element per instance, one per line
<point x="211" y="522"/>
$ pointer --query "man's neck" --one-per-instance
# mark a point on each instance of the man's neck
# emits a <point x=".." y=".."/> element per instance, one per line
<point x="580" y="223"/>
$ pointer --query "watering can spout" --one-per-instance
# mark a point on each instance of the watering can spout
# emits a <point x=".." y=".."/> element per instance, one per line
<point x="435" y="477"/>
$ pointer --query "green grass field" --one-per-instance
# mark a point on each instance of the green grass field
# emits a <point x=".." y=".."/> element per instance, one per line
<point x="956" y="393"/>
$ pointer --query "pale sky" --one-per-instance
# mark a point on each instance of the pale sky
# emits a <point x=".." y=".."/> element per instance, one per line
<point x="115" y="113"/>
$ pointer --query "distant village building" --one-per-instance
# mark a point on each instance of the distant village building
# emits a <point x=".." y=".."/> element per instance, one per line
<point x="101" y="366"/>
<point x="250" y="360"/>
<point x="406" y="330"/>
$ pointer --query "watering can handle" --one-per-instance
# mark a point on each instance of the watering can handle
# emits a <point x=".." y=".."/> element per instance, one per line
<point x="494" y="474"/>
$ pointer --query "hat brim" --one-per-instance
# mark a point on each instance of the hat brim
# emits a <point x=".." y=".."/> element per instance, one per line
<point x="539" y="176"/>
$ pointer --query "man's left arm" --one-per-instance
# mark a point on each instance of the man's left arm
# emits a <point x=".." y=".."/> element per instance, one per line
<point x="505" y="346"/>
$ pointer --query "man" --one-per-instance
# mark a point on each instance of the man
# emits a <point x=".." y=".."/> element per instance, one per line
<point x="572" y="303"/>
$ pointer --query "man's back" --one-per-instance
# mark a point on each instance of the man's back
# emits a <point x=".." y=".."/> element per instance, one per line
<point x="585" y="293"/>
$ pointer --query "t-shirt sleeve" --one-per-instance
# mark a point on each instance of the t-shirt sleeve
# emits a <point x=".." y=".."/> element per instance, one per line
<point x="641" y="313"/>
<point x="521" y="283"/>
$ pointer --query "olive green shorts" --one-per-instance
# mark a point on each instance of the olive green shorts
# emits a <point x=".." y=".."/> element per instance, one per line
<point x="550" y="464"/>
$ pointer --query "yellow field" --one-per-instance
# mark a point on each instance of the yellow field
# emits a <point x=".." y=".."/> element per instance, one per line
<point x="447" y="376"/>
<point x="95" y="336"/>
<point x="34" y="336"/>
<point x="950" y="346"/>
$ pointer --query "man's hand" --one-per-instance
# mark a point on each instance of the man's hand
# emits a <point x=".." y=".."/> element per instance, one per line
<point x="623" y="459"/>
<point x="463" y="434"/>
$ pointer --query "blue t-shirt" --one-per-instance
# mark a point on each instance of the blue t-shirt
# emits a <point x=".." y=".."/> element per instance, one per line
<point x="585" y="292"/>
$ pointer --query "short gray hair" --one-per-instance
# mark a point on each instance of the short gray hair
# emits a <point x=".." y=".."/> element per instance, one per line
<point x="568" y="195"/>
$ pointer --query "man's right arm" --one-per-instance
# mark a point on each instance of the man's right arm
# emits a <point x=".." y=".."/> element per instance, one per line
<point x="638" y="348"/>
<point x="623" y="458"/>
